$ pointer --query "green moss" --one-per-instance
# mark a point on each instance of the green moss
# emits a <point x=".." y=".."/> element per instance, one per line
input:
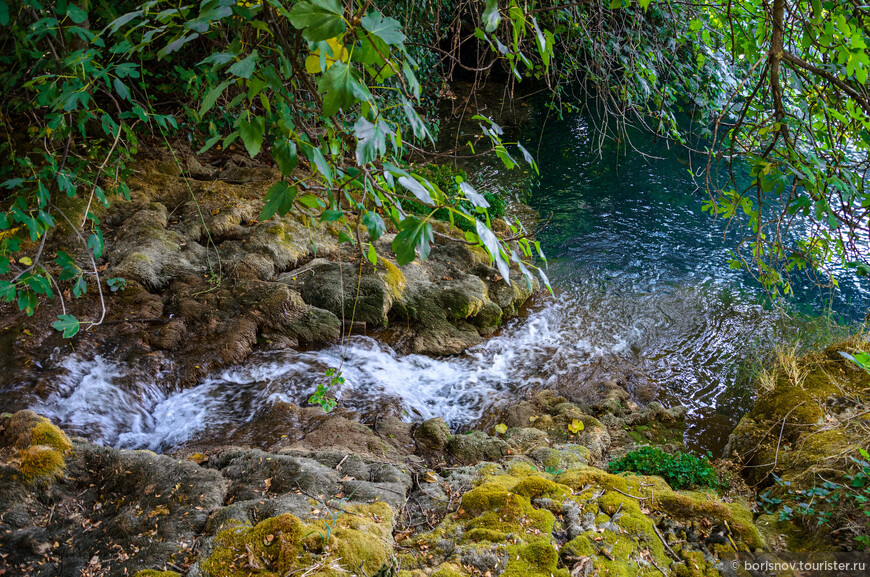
<point x="274" y="543"/>
<point x="694" y="505"/>
<point x="39" y="462"/>
<point x="155" y="573"/>
<point x="536" y="487"/>
<point x="359" y="549"/>
<point x="481" y="534"/>
<point x="46" y="434"/>
<point x="357" y="540"/>
<point x="447" y="570"/>
<point x="394" y="278"/>
<point x="579" y="546"/>
<point x="488" y="497"/>
<point x="536" y="559"/>
<point x="695" y="565"/>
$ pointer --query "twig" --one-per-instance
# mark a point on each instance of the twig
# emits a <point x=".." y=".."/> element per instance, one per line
<point x="665" y="543"/>
<point x="632" y="496"/>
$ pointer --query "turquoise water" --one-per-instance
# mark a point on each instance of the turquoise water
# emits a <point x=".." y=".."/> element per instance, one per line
<point x="628" y="241"/>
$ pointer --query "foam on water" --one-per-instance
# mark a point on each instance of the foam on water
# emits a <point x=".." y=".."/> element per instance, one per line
<point x="553" y="347"/>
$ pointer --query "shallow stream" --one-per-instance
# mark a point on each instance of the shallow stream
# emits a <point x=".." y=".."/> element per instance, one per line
<point x="641" y="281"/>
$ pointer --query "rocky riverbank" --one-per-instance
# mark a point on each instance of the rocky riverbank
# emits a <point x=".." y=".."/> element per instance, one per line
<point x="532" y="496"/>
<point x="205" y="283"/>
<point x="403" y="499"/>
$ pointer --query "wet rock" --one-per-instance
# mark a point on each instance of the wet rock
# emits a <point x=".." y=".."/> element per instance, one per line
<point x="150" y="253"/>
<point x="476" y="446"/>
<point x="526" y="439"/>
<point x="248" y="470"/>
<point x="129" y="508"/>
<point x="343" y="289"/>
<point x="338" y="432"/>
<point x="432" y="435"/>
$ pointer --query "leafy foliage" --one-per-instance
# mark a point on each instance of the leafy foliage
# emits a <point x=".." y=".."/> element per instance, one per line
<point x="327" y="89"/>
<point x="336" y="94"/>
<point x="319" y="397"/>
<point x="680" y="470"/>
<point x="842" y="506"/>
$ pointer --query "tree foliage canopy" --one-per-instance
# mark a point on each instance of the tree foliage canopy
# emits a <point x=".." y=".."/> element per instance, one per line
<point x="337" y="95"/>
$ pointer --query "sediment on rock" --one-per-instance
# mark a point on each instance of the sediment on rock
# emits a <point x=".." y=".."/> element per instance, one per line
<point x="207" y="282"/>
<point x="808" y="426"/>
<point x="523" y="502"/>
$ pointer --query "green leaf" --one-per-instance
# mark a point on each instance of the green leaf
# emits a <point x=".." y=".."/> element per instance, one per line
<point x="80" y="287"/>
<point x="475" y="197"/>
<point x="372" y="255"/>
<point x="209" y="101"/>
<point x="68" y="324"/>
<point x="490" y="242"/>
<point x="331" y="215"/>
<point x="341" y="88"/>
<point x="176" y="44"/>
<point x="251" y="130"/>
<point x="318" y="19"/>
<point x="417" y="189"/>
<point x="285" y="154"/>
<point x="374" y="224"/>
<point x="245" y="67"/>
<point x="27" y="301"/>
<point x="315" y="156"/>
<point x="371" y="140"/>
<point x="279" y="200"/>
<point x="121" y="89"/>
<point x="491" y="16"/>
<point x="417" y="124"/>
<point x="4" y="13"/>
<point x="387" y="29"/>
<point x="120" y="21"/>
<point x="415" y="237"/>
<point x="95" y="243"/>
<point x="76" y="14"/>
<point x="528" y="157"/>
<point x="7" y="291"/>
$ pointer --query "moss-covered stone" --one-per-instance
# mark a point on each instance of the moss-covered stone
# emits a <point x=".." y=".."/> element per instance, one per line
<point x="272" y="547"/>
<point x="34" y="445"/>
<point x="359" y="538"/>
<point x="536" y="559"/>
<point x="156" y="573"/>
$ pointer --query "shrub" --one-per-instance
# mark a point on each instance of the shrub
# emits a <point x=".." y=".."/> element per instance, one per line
<point x="680" y="470"/>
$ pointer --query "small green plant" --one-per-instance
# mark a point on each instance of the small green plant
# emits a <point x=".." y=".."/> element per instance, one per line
<point x="680" y="470"/>
<point x="820" y="505"/>
<point x="861" y="359"/>
<point x="320" y="393"/>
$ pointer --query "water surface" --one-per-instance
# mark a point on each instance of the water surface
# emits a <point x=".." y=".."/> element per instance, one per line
<point x="642" y="287"/>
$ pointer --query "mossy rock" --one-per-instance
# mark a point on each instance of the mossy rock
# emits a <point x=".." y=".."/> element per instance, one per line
<point x="39" y="447"/>
<point x="156" y="573"/>
<point x="481" y="534"/>
<point x="272" y="547"/>
<point x="360" y="538"/>
<point x="447" y="570"/>
<point x="536" y="559"/>
<point x="536" y="487"/>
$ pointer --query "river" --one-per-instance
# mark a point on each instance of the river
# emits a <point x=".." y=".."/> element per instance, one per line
<point x="641" y="280"/>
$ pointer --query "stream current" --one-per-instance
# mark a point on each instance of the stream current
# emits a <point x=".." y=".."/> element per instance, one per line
<point x="641" y="279"/>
